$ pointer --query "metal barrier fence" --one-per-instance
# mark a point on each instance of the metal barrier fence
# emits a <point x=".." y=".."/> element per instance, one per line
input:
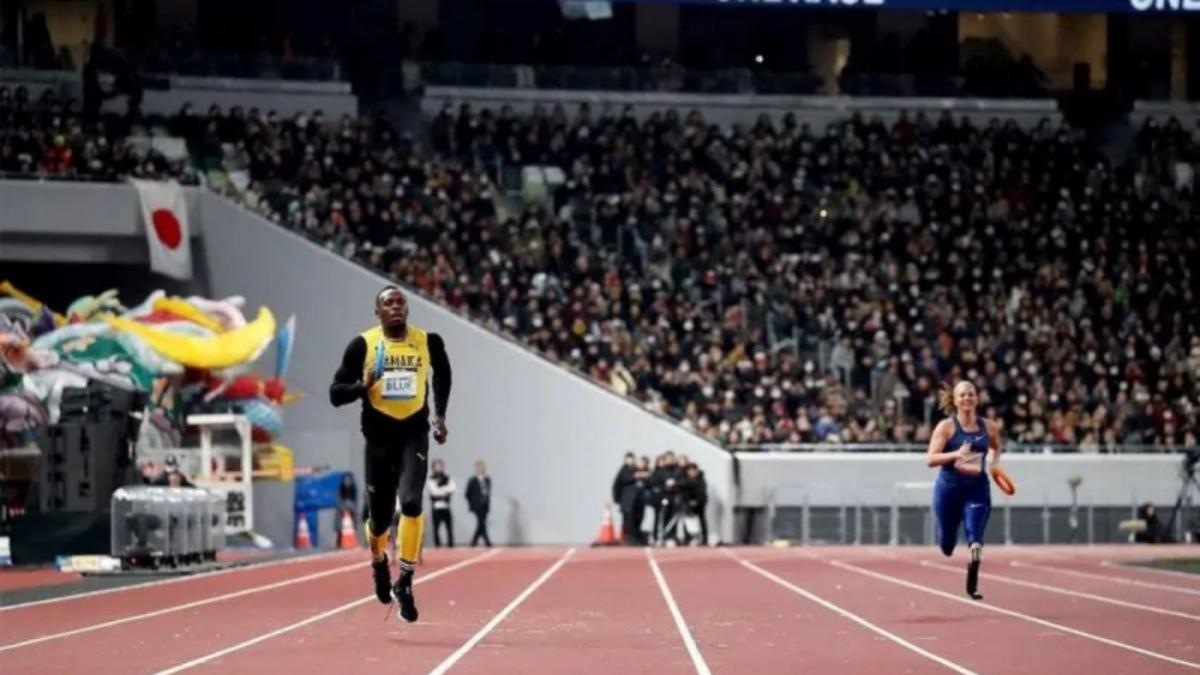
<point x="908" y="519"/>
<point x="673" y="78"/>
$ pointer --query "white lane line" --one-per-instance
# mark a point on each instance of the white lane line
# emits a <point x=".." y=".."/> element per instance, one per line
<point x="1108" y="577"/>
<point x="1015" y="614"/>
<point x="318" y="617"/>
<point x="1151" y="570"/>
<point x="509" y="609"/>
<point x="853" y="617"/>
<point x="179" y="579"/>
<point x="1064" y="591"/>
<point x="179" y="608"/>
<point x="688" y="642"/>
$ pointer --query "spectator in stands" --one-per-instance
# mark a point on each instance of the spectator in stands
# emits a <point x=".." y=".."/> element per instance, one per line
<point x="50" y="137"/>
<point x="887" y="351"/>
<point x="711" y="273"/>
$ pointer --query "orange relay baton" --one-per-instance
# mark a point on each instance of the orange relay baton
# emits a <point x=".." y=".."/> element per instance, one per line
<point x="1003" y="482"/>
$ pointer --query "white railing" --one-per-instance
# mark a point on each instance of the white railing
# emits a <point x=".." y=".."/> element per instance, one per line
<point x="857" y="522"/>
<point x="1011" y="446"/>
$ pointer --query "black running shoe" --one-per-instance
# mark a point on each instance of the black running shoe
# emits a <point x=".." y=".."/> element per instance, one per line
<point x="383" y="580"/>
<point x="404" y="597"/>
<point x="973" y="573"/>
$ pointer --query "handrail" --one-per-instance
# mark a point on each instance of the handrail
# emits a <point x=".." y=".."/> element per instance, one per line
<point x="1011" y="446"/>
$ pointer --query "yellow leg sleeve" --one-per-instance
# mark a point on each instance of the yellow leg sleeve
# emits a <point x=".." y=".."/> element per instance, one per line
<point x="412" y="531"/>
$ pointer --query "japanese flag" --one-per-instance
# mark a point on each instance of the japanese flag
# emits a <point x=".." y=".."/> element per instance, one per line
<point x="164" y="215"/>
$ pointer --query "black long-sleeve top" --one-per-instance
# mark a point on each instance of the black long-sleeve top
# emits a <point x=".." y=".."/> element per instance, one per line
<point x="348" y="387"/>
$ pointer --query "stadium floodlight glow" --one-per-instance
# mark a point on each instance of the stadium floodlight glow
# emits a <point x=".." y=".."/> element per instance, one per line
<point x="843" y="3"/>
<point x="943" y="6"/>
<point x="1186" y="5"/>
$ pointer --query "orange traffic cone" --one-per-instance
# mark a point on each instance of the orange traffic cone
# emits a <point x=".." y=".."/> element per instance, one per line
<point x="303" y="540"/>
<point x="347" y="539"/>
<point x="608" y="536"/>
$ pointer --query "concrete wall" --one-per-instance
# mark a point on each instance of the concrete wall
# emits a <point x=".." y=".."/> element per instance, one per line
<point x="831" y="479"/>
<point x="553" y="440"/>
<point x="287" y="97"/>
<point x="58" y="222"/>
<point x="284" y="96"/>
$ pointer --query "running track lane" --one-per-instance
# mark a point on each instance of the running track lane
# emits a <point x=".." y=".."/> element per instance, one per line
<point x="1178" y="637"/>
<point x="602" y="613"/>
<point x="1047" y="649"/>
<point x="159" y="642"/>
<point x="1187" y="579"/>
<point x="745" y="623"/>
<point x="1175" y="636"/>
<point x="1129" y="575"/>
<point x="1156" y="595"/>
<point x="967" y="634"/>
<point x="370" y="639"/>
<point x="20" y="623"/>
<point x="14" y="579"/>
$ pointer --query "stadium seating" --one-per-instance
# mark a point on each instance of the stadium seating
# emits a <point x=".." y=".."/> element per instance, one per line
<point x="767" y="284"/>
<point x="48" y="137"/>
<point x="786" y="284"/>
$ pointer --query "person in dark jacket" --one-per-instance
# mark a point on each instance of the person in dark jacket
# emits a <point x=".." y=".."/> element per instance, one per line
<point x="694" y="492"/>
<point x="664" y="485"/>
<point x="479" y="500"/>
<point x="641" y="474"/>
<point x="624" y="495"/>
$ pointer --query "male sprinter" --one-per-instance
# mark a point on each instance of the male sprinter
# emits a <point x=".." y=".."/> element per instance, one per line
<point x="387" y="367"/>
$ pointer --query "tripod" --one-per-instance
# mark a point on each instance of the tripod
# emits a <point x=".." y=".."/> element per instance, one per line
<point x="1189" y="481"/>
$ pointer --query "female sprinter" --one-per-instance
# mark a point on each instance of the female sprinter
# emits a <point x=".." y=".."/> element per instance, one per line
<point x="962" y="493"/>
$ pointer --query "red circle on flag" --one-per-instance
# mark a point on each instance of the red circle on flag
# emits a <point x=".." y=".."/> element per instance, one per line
<point x="167" y="227"/>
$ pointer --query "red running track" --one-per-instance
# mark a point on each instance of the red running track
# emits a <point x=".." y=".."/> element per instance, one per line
<point x="745" y="623"/>
<point x="973" y="635"/>
<point x="11" y="579"/>
<point x="23" y="623"/>
<point x="1174" y="635"/>
<point x="602" y="613"/>
<point x="541" y="611"/>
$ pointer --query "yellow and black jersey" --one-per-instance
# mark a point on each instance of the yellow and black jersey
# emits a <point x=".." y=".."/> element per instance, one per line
<point x="397" y="401"/>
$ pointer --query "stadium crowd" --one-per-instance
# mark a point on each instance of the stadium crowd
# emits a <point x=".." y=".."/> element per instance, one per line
<point x="770" y="283"/>
<point x="50" y="137"/>
<point x="784" y="284"/>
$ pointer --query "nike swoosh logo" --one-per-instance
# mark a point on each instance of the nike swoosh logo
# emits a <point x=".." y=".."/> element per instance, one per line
<point x="420" y="456"/>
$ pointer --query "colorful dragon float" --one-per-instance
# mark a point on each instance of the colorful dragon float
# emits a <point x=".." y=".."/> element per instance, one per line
<point x="187" y="354"/>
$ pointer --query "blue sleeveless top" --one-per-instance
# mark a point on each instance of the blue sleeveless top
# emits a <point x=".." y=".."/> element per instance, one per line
<point x="979" y="443"/>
